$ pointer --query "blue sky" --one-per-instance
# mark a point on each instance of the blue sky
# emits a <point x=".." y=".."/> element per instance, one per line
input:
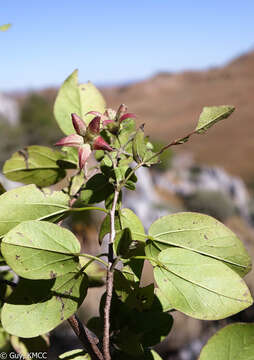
<point x="117" y="41"/>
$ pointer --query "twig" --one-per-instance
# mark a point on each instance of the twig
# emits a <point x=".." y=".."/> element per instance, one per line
<point x="89" y="341"/>
<point x="109" y="281"/>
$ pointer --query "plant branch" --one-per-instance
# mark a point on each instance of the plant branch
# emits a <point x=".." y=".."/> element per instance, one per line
<point x="109" y="281"/>
<point x="87" y="338"/>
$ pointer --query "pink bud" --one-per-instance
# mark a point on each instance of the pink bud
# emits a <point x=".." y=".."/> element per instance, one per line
<point x="71" y="140"/>
<point x="127" y="116"/>
<point x="100" y="144"/>
<point x="78" y="124"/>
<point x="94" y="125"/>
<point x="84" y="152"/>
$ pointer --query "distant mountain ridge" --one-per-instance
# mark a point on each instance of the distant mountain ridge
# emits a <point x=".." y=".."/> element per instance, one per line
<point x="170" y="103"/>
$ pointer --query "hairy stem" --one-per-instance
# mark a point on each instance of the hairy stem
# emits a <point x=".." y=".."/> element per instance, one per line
<point x="109" y="281"/>
<point x="89" y="340"/>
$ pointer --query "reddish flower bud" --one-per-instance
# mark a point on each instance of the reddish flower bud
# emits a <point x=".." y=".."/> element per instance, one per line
<point x="78" y="125"/>
<point x="84" y="152"/>
<point x="100" y="144"/>
<point x="71" y="140"/>
<point x="94" y="125"/>
<point x="127" y="116"/>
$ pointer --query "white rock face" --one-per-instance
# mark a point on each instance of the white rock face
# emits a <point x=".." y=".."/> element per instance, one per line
<point x="9" y="110"/>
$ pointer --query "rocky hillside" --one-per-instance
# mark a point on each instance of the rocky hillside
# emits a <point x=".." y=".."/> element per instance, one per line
<point x="170" y="104"/>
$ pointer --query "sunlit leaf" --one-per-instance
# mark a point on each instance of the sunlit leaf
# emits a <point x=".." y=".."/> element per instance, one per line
<point x="200" y="286"/>
<point x="37" y="165"/>
<point x="233" y="342"/>
<point x="30" y="203"/>
<point x="202" y="234"/>
<point x="76" y="98"/>
<point x="40" y="250"/>
<point x="38" y="306"/>
<point x="211" y="115"/>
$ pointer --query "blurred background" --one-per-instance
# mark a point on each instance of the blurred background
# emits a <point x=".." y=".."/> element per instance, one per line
<point x="165" y="60"/>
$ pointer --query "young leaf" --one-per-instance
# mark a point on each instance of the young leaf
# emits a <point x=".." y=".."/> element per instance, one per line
<point x="40" y="250"/>
<point x="30" y="203"/>
<point x="200" y="286"/>
<point x="130" y="220"/>
<point x="37" y="165"/>
<point x="77" y="354"/>
<point x="235" y="341"/>
<point x="38" y="306"/>
<point x="139" y="146"/>
<point x="5" y="27"/>
<point x="211" y="115"/>
<point x="202" y="234"/>
<point x="76" y="98"/>
<point x="76" y="182"/>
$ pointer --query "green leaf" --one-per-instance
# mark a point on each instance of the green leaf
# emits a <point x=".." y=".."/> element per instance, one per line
<point x="38" y="306"/>
<point x="35" y="165"/>
<point x="233" y="342"/>
<point x="76" y="98"/>
<point x="77" y="354"/>
<point x="211" y="115"/>
<point x="202" y="234"/>
<point x="30" y="203"/>
<point x="164" y="301"/>
<point x="154" y="326"/>
<point x="129" y="219"/>
<point x="200" y="286"/>
<point x="122" y="242"/>
<point x="134" y="296"/>
<point x="139" y="146"/>
<point x="96" y="189"/>
<point x="40" y="250"/>
<point x="129" y="342"/>
<point x="76" y="182"/>
<point x="5" y="27"/>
